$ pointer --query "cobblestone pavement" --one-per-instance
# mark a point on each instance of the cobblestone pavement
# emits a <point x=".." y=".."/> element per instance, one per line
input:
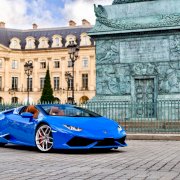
<point x="147" y="160"/>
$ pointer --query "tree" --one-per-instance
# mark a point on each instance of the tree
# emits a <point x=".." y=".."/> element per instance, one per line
<point x="47" y="93"/>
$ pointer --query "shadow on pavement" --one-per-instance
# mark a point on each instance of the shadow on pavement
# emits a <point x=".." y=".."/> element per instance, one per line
<point x="55" y="151"/>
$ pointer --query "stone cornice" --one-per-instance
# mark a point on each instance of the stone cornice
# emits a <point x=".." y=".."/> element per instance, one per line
<point x="128" y="1"/>
<point x="104" y="24"/>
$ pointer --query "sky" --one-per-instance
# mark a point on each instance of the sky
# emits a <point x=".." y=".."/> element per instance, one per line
<point x="21" y="14"/>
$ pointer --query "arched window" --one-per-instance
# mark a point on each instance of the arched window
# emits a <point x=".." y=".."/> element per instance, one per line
<point x="57" y="100"/>
<point x="43" y="42"/>
<point x="70" y="38"/>
<point x="15" y="43"/>
<point x="85" y="40"/>
<point x="57" y="41"/>
<point x="14" y="100"/>
<point x="30" y="43"/>
<point x="83" y="99"/>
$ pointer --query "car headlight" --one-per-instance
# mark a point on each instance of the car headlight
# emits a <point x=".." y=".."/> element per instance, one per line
<point x="72" y="128"/>
<point x="119" y="128"/>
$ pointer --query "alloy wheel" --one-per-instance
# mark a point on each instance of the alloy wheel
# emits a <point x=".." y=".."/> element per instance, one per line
<point x="44" y="139"/>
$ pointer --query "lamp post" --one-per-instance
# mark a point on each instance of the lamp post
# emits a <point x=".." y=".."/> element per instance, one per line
<point x="28" y="68"/>
<point x="68" y="77"/>
<point x="73" y="50"/>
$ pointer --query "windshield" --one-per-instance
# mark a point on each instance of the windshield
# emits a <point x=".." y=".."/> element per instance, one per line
<point x="69" y="111"/>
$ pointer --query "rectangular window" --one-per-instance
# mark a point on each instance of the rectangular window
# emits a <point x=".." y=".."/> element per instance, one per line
<point x="42" y="79"/>
<point x="70" y="84"/>
<point x="56" y="83"/>
<point x="0" y="82"/>
<point x="56" y="64"/>
<point x="14" y="64"/>
<point x="29" y="84"/>
<point x="42" y="65"/>
<point x="14" y="83"/>
<point x="85" y="62"/>
<point x="69" y="63"/>
<point x="0" y="63"/>
<point x="85" y="81"/>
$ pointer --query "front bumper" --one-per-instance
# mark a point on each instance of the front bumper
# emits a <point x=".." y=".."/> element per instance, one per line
<point x="69" y="141"/>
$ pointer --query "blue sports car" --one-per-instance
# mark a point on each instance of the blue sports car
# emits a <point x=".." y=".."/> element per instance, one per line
<point x="56" y="126"/>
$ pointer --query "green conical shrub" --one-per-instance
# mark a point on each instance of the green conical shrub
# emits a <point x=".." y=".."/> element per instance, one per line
<point x="47" y="93"/>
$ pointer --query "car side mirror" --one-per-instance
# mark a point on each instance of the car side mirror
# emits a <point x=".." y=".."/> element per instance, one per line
<point x="27" y="115"/>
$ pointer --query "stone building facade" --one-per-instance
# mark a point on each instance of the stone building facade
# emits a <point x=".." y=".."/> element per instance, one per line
<point x="46" y="47"/>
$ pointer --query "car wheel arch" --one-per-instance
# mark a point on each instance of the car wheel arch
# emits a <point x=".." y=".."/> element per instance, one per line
<point x="40" y="124"/>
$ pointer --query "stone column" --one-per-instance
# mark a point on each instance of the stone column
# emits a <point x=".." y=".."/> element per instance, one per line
<point x="63" y="83"/>
<point x="35" y="75"/>
<point x="91" y="76"/>
<point x="7" y="82"/>
<point x="23" y="84"/>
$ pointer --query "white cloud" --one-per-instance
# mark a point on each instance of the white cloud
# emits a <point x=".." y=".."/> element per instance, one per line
<point x="13" y="12"/>
<point x="22" y="13"/>
<point x="81" y="9"/>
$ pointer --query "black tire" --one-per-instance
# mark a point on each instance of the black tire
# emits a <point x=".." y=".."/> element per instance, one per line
<point x="2" y="144"/>
<point x="43" y="138"/>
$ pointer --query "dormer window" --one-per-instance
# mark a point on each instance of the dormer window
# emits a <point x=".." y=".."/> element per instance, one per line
<point x="15" y="43"/>
<point x="30" y="43"/>
<point x="43" y="42"/>
<point x="57" y="41"/>
<point x="69" y="39"/>
<point x="85" y="40"/>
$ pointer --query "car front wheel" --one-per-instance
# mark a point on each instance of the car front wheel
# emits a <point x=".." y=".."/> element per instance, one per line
<point x="44" y="139"/>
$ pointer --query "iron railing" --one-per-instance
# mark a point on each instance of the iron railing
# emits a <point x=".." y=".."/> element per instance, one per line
<point x="157" y="117"/>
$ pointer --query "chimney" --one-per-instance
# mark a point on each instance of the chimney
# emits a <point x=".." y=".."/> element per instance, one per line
<point x="72" y="23"/>
<point x="35" y="26"/>
<point x="2" y="24"/>
<point x="85" y="22"/>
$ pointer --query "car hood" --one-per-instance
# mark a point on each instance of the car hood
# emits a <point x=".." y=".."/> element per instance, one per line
<point x="88" y="123"/>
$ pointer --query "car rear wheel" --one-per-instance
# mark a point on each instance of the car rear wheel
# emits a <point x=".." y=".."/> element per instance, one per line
<point x="44" y="139"/>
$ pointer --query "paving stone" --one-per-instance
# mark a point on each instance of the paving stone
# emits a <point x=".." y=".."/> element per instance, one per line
<point x="146" y="160"/>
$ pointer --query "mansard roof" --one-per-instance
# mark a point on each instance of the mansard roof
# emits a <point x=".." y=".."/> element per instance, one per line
<point x="6" y="34"/>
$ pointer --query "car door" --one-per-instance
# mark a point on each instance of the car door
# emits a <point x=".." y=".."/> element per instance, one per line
<point x="21" y="129"/>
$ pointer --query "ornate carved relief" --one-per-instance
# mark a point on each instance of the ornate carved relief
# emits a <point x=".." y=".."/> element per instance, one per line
<point x="113" y="80"/>
<point x="116" y="79"/>
<point x="174" y="47"/>
<point x="157" y="21"/>
<point x="143" y="69"/>
<point x="107" y="52"/>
